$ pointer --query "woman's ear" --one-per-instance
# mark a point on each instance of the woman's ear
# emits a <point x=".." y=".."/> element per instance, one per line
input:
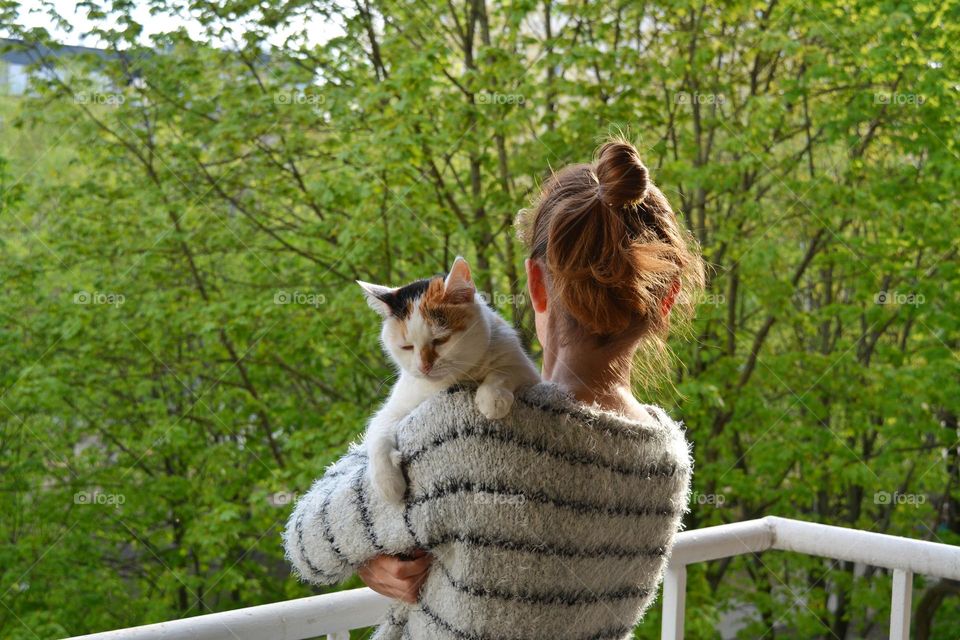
<point x="537" y="285"/>
<point x="668" y="301"/>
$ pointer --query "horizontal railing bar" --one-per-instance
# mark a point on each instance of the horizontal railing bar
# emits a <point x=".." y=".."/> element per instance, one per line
<point x="722" y="541"/>
<point x="335" y="612"/>
<point x="290" y="620"/>
<point x="866" y="547"/>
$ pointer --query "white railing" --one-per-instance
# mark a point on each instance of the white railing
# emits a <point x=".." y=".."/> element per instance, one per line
<point x="334" y="614"/>
<point x="904" y="556"/>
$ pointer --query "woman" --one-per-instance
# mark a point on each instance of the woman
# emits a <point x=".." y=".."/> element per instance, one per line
<point x="557" y="521"/>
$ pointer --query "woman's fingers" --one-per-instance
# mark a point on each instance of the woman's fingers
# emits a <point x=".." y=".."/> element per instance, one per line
<point x="412" y="568"/>
<point x="396" y="578"/>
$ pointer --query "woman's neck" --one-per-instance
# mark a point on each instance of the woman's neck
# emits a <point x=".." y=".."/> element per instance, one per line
<point x="594" y="375"/>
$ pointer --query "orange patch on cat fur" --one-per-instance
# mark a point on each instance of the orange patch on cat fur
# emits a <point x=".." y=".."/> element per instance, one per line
<point x="428" y="355"/>
<point x="434" y="305"/>
<point x="433" y="296"/>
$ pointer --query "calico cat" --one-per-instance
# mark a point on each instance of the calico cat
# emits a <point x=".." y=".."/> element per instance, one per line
<point x="439" y="332"/>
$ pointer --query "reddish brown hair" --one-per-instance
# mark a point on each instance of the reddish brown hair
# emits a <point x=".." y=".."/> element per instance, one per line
<point x="613" y="249"/>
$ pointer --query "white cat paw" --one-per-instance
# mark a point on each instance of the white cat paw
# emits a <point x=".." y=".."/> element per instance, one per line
<point x="494" y="402"/>
<point x="387" y="477"/>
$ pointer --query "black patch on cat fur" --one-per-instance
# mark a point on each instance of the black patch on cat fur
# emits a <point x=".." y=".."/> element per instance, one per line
<point x="401" y="301"/>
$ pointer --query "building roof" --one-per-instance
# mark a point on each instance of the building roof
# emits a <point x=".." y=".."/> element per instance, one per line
<point x="19" y="52"/>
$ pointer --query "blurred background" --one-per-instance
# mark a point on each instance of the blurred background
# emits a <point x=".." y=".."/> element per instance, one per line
<point x="189" y="189"/>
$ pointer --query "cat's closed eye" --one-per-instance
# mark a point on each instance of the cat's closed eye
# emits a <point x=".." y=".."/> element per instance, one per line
<point x="407" y="347"/>
<point x="440" y="341"/>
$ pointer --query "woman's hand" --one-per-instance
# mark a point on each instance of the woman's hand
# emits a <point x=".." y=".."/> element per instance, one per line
<point x="395" y="577"/>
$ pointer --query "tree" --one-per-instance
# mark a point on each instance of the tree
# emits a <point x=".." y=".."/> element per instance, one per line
<point x="215" y="197"/>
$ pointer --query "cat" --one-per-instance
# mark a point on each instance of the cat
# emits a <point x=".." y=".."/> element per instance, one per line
<point x="439" y="332"/>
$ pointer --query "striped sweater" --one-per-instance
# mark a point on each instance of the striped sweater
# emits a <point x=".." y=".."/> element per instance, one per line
<point x="554" y="523"/>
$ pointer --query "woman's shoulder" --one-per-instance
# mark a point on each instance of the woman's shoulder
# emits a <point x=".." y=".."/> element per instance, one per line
<point x="546" y="415"/>
<point x="551" y="399"/>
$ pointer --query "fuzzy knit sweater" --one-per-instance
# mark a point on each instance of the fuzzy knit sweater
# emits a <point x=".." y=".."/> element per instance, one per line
<point x="554" y="523"/>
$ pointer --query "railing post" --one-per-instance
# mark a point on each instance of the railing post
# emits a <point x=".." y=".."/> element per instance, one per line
<point x="674" y="602"/>
<point x="900" y="604"/>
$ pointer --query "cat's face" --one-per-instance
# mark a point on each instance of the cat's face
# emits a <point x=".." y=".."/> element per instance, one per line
<point x="433" y="328"/>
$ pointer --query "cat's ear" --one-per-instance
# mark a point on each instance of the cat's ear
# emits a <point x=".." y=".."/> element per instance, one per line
<point x="458" y="288"/>
<point x="377" y="297"/>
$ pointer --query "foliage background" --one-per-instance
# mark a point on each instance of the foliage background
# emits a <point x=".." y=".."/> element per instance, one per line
<point x="182" y="347"/>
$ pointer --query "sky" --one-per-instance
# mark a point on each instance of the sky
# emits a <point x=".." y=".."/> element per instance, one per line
<point x="33" y="14"/>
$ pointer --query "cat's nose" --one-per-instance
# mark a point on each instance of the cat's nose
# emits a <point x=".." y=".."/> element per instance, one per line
<point x="426" y="360"/>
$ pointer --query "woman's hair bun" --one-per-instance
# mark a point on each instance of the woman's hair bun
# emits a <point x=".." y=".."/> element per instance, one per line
<point x="622" y="175"/>
<point x="613" y="248"/>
